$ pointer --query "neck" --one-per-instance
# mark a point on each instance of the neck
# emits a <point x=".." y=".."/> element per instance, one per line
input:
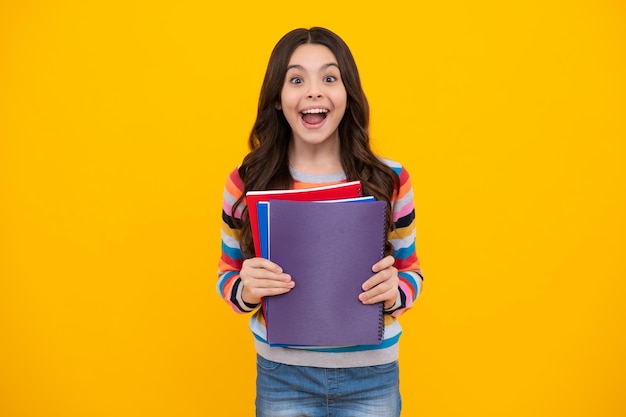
<point x="318" y="159"/>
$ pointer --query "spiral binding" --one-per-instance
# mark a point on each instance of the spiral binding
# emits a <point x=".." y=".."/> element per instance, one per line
<point x="381" y="323"/>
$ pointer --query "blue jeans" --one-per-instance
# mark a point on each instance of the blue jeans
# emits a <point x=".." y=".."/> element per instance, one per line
<point x="301" y="391"/>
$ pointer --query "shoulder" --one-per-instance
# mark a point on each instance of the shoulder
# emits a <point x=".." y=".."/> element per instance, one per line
<point x="234" y="184"/>
<point x="398" y="168"/>
<point x="235" y="178"/>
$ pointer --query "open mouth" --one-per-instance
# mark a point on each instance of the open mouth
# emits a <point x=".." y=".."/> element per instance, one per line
<point x="314" y="116"/>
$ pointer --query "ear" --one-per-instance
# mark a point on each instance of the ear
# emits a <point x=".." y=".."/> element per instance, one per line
<point x="278" y="106"/>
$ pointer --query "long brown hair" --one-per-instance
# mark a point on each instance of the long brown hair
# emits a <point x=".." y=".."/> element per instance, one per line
<point x="266" y="166"/>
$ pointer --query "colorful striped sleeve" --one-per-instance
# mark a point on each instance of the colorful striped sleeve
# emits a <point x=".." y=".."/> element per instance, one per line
<point x="228" y="280"/>
<point x="402" y="239"/>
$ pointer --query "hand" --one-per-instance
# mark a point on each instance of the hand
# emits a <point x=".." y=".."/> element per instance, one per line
<point x="383" y="285"/>
<point x="262" y="278"/>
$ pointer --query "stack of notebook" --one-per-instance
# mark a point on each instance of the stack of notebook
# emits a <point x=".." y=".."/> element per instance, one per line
<point x="327" y="239"/>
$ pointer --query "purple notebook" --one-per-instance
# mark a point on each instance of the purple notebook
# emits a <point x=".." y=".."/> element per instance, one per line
<point x="329" y="250"/>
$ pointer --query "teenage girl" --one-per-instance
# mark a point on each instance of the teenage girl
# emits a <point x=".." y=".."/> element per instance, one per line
<point x="311" y="130"/>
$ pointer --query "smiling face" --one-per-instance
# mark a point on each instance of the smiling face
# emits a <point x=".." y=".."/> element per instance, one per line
<point x="313" y="98"/>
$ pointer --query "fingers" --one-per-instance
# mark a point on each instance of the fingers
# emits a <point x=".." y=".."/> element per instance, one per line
<point x="263" y="278"/>
<point x="383" y="271"/>
<point x="262" y="263"/>
<point x="383" y="285"/>
<point x="384" y="263"/>
<point x="386" y="291"/>
<point x="254" y="295"/>
<point x="262" y="269"/>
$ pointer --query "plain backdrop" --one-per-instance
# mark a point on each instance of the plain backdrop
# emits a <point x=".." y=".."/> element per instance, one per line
<point x="119" y="121"/>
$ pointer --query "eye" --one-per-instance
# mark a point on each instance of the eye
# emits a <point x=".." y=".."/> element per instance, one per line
<point x="330" y="79"/>
<point x="296" y="80"/>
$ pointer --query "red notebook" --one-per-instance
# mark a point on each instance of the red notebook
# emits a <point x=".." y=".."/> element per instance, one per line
<point x="327" y="192"/>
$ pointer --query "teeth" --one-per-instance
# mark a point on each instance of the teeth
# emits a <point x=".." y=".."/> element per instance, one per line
<point x="311" y="111"/>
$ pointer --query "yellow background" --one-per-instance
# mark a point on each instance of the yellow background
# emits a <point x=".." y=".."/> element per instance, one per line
<point x="119" y="121"/>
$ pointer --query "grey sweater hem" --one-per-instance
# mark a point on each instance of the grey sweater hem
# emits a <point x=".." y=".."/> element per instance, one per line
<point x="302" y="357"/>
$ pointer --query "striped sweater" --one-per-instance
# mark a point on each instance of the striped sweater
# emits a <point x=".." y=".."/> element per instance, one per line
<point x="403" y="241"/>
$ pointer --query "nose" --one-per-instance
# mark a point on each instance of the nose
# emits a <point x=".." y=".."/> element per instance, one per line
<point x="314" y="91"/>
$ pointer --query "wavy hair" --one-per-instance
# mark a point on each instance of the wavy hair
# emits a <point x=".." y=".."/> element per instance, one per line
<point x="266" y="166"/>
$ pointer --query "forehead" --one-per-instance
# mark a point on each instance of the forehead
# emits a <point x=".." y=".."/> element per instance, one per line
<point x="311" y="56"/>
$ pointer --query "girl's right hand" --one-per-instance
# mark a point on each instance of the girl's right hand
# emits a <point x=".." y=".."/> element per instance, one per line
<point x="261" y="278"/>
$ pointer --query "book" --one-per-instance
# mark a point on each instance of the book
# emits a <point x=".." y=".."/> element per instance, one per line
<point x="263" y="219"/>
<point x="329" y="250"/>
<point x="327" y="192"/>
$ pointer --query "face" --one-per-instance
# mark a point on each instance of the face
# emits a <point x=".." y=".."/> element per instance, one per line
<point x="313" y="97"/>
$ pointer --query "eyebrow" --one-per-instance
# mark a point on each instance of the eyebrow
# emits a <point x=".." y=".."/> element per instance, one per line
<point x="323" y="67"/>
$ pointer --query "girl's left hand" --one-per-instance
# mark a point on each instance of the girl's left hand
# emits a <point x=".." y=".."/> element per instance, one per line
<point x="383" y="285"/>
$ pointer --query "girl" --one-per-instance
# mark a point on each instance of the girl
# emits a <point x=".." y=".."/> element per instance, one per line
<point x="311" y="130"/>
